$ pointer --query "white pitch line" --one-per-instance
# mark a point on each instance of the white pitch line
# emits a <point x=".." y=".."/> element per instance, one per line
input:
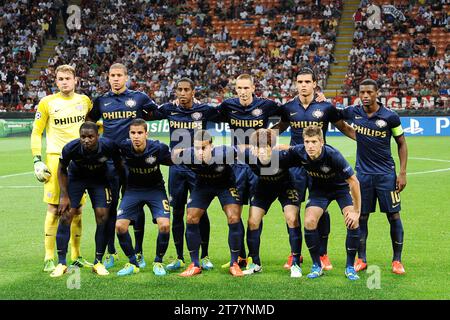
<point x="429" y="159"/>
<point x="431" y="171"/>
<point x="18" y="187"/>
<point x="16" y="174"/>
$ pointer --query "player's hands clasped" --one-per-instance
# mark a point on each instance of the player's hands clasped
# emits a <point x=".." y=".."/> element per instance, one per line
<point x="41" y="171"/>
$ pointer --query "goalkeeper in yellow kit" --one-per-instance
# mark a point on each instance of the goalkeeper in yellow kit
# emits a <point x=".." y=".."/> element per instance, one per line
<point x="60" y="115"/>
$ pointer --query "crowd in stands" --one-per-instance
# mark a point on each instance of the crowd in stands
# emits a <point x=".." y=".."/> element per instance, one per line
<point x="161" y="41"/>
<point x="24" y="26"/>
<point x="405" y="54"/>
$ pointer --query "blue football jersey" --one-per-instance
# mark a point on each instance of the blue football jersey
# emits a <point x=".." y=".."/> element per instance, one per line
<point x="276" y="171"/>
<point x="317" y="113"/>
<point x="216" y="173"/>
<point x="143" y="168"/>
<point x="82" y="164"/>
<point x="328" y="172"/>
<point x="118" y="110"/>
<point x="244" y="120"/>
<point x="373" y="138"/>
<point x="183" y="121"/>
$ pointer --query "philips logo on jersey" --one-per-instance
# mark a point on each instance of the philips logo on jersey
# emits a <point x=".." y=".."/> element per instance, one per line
<point x="185" y="125"/>
<point x="304" y="124"/>
<point x="414" y="127"/>
<point x="143" y="170"/>
<point x="119" y="115"/>
<point x="247" y="123"/>
<point x="321" y="175"/>
<point x="64" y="121"/>
<point x="369" y="132"/>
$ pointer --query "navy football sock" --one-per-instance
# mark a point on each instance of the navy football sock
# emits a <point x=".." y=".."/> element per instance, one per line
<point x="127" y="246"/>
<point x="205" y="228"/>
<point x="193" y="241"/>
<point x="253" y="243"/>
<point x="312" y="240"/>
<point x="324" y="230"/>
<point x="162" y="242"/>
<point x="363" y="234"/>
<point x="62" y="241"/>
<point x="111" y="227"/>
<point x="178" y="231"/>
<point x="242" y="252"/>
<point x="396" y="238"/>
<point x="139" y="226"/>
<point x="101" y="241"/>
<point x="234" y="239"/>
<point x="351" y="245"/>
<point x="295" y="240"/>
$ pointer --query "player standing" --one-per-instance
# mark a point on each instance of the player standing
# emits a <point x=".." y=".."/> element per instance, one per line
<point x="117" y="108"/>
<point x="374" y="126"/>
<point x="60" y="115"/>
<point x="302" y="111"/>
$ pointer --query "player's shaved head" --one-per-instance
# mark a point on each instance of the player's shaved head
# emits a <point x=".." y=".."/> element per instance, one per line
<point x="119" y="66"/>
<point x="369" y="82"/>
<point x="192" y="84"/>
<point x="89" y="125"/>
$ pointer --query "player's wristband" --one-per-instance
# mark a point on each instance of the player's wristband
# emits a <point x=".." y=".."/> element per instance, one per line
<point x="37" y="159"/>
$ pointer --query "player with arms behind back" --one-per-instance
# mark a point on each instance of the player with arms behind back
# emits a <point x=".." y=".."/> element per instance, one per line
<point x="60" y="115"/>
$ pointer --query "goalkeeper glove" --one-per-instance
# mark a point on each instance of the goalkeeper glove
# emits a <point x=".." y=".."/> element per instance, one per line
<point x="41" y="171"/>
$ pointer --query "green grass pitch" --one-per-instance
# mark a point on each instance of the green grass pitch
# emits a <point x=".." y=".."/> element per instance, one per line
<point x="425" y="214"/>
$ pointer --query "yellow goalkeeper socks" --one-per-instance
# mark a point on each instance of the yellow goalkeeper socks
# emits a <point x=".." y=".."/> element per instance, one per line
<point x="50" y="228"/>
<point x="75" y="237"/>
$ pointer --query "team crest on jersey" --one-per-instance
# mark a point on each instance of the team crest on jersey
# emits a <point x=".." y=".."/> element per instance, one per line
<point x="79" y="107"/>
<point x="38" y="115"/>
<point x="381" y="123"/>
<point x="317" y="114"/>
<point x="103" y="159"/>
<point x="220" y="168"/>
<point x="325" y="168"/>
<point x="196" y="115"/>
<point x="130" y="103"/>
<point x="257" y="112"/>
<point x="150" y="160"/>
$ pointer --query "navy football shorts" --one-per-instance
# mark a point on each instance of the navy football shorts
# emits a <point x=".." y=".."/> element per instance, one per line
<point x="181" y="180"/>
<point x="98" y="190"/>
<point x="265" y="194"/>
<point x="381" y="187"/>
<point x="300" y="180"/>
<point x="245" y="181"/>
<point x="322" y="198"/>
<point x="134" y="200"/>
<point x="202" y="196"/>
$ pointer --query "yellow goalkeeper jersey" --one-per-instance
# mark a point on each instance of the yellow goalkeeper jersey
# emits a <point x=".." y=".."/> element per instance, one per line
<point x="61" y="117"/>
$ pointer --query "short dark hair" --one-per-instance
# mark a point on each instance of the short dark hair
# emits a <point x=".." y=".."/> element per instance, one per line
<point x="139" y="122"/>
<point x="312" y="131"/>
<point x="89" y="125"/>
<point x="203" y="135"/>
<point x="186" y="80"/>
<point x="306" y="70"/>
<point x="369" y="82"/>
